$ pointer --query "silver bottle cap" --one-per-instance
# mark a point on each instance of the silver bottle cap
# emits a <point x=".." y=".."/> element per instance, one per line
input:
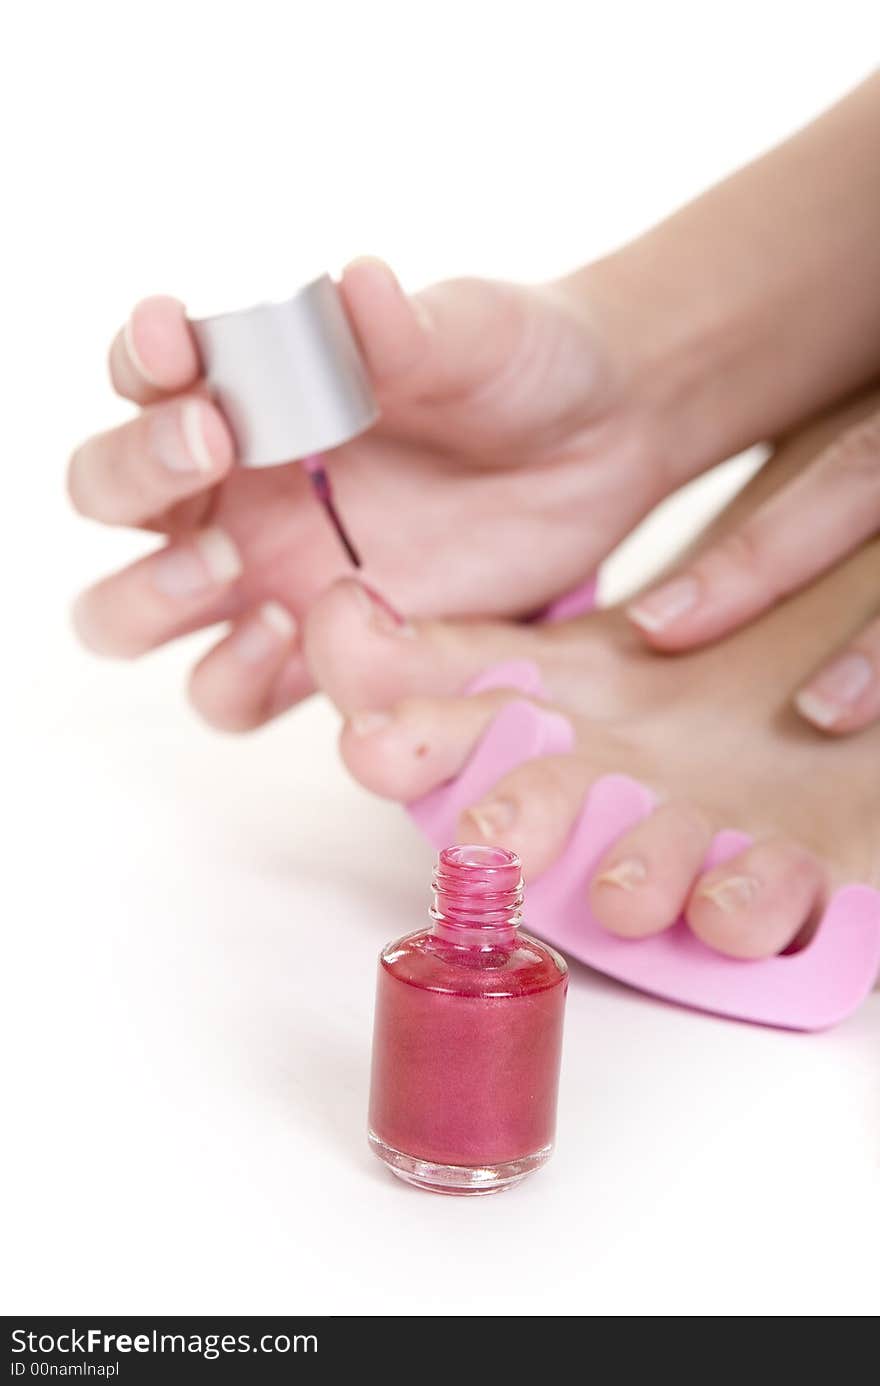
<point x="289" y="376"/>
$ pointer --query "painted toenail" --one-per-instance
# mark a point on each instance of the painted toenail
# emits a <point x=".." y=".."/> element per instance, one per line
<point x="658" y="609"/>
<point x="836" y="690"/>
<point x="494" y="818"/>
<point x="628" y="873"/>
<point x="366" y="723"/>
<point x="732" y="893"/>
<point x="382" y="615"/>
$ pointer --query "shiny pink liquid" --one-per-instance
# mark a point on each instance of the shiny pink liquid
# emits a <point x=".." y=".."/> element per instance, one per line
<point x="468" y="1034"/>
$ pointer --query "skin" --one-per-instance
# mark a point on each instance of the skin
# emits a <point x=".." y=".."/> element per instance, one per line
<point x="524" y="430"/>
<point x="831" y="509"/>
<point x="452" y="459"/>
<point x="709" y="732"/>
<point x="825" y="514"/>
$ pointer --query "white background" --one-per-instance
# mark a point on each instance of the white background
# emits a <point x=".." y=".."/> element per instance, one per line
<point x="192" y="921"/>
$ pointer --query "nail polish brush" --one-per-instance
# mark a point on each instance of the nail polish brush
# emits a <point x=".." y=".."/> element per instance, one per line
<point x="317" y="474"/>
<point x="293" y="384"/>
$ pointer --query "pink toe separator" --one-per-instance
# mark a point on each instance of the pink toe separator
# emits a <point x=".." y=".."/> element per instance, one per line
<point x="808" y="990"/>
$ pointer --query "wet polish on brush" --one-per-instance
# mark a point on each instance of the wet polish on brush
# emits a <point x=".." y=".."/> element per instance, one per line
<point x="468" y="1035"/>
<point x="384" y="604"/>
<point x="317" y="474"/>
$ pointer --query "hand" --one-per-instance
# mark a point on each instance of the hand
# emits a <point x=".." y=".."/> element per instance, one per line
<point x="471" y="495"/>
<point x="826" y="512"/>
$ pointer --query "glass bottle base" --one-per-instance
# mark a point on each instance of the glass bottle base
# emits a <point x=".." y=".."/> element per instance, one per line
<point x="457" y="1179"/>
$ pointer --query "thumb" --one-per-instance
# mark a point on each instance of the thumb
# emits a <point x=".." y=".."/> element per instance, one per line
<point x="449" y="337"/>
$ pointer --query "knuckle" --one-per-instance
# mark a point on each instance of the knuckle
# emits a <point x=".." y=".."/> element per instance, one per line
<point x="741" y="551"/>
<point x="856" y="453"/>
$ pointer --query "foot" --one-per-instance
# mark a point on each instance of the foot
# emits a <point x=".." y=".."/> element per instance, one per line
<point x="711" y="732"/>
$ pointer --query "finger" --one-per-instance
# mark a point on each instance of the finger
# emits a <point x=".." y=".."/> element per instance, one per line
<point x="806" y="527"/>
<point x="155" y="353"/>
<point x="449" y="337"/>
<point x="391" y="327"/>
<point x="235" y="685"/>
<point x="137" y="471"/>
<point x="641" y="884"/>
<point x="178" y="588"/>
<point x="845" y="695"/>
<point x="293" y="684"/>
<point x="758" y="903"/>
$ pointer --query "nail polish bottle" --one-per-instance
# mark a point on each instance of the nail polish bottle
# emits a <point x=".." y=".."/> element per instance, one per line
<point x="468" y="1035"/>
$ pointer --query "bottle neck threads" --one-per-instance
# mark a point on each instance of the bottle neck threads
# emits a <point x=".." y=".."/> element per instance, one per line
<point x="478" y="896"/>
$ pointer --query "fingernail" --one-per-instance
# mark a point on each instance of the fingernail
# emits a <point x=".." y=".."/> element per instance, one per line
<point x="732" y="893"/>
<point x="365" y="723"/>
<point x="209" y="559"/>
<point x="375" y="262"/>
<point x="836" y="690"/>
<point x="628" y="873"/>
<point x="192" y="426"/>
<point x="493" y="818"/>
<point x="665" y="604"/>
<point x="382" y="615"/>
<point x="270" y="628"/>
<point x="134" y="355"/>
<point x="179" y="441"/>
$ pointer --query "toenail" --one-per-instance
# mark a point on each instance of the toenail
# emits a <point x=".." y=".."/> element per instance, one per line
<point x="836" y="690"/>
<point x="658" y="609"/>
<point x="382" y="615"/>
<point x="366" y="723"/>
<point x="627" y="873"/>
<point x="493" y="818"/>
<point x="732" y="893"/>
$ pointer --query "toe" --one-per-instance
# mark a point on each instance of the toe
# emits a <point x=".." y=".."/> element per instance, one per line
<point x="531" y="811"/>
<point x="411" y="747"/>
<point x="363" y="655"/>
<point x="641" y="884"/>
<point x="759" y="902"/>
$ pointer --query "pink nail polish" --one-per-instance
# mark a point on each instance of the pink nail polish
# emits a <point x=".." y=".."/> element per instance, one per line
<point x="383" y="614"/>
<point x="468" y="1035"/>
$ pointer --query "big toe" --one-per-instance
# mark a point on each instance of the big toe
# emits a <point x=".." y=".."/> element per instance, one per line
<point x="364" y="656"/>
<point x="417" y="743"/>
